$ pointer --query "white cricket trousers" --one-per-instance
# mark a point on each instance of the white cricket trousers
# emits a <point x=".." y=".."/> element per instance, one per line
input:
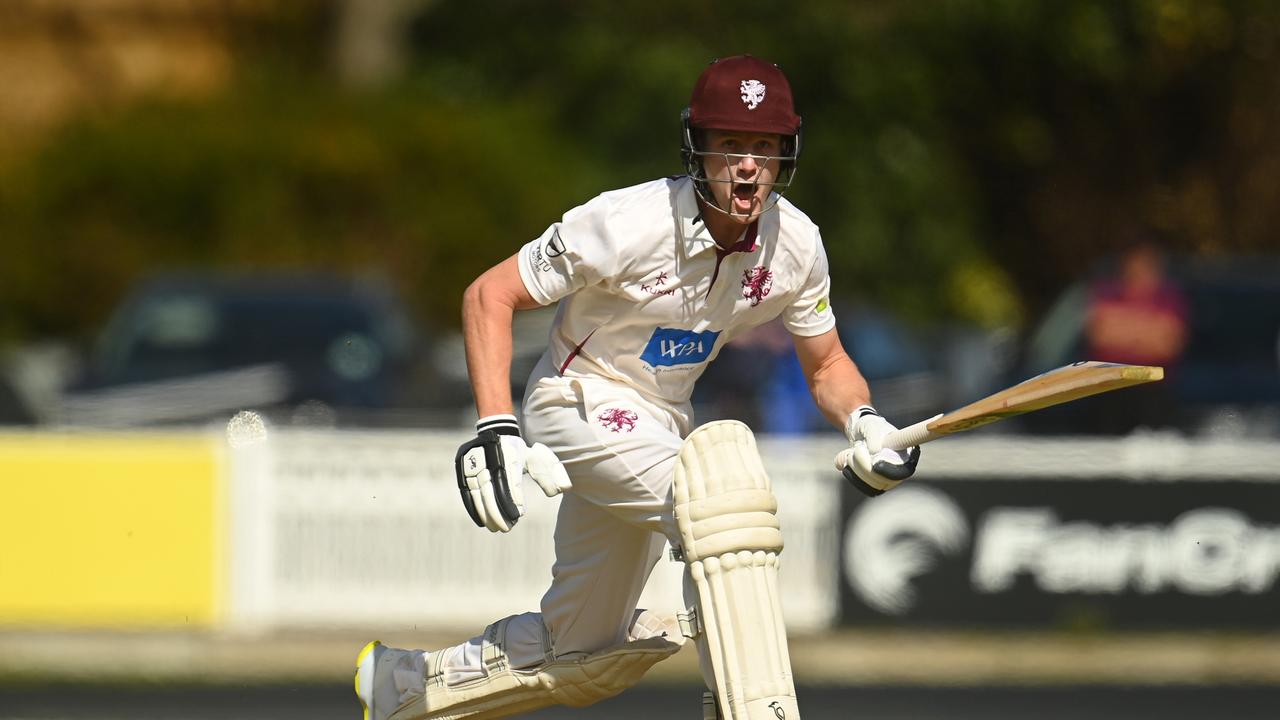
<point x="620" y="449"/>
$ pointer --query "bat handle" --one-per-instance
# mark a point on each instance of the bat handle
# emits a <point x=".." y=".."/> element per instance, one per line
<point x="911" y="435"/>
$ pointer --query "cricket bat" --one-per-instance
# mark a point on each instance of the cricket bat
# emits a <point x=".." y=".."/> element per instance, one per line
<point x="1067" y="383"/>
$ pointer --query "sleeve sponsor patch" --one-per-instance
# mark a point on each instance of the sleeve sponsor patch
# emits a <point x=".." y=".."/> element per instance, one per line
<point x="554" y="246"/>
<point x="537" y="260"/>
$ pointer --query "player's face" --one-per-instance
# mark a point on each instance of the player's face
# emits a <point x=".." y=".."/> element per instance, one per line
<point x="741" y="168"/>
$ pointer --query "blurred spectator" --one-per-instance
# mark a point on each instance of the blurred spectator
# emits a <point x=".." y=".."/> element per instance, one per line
<point x="786" y="407"/>
<point x="901" y="364"/>
<point x="757" y="378"/>
<point x="1138" y="316"/>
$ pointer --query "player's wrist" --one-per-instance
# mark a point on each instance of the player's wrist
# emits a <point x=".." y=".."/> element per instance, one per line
<point x="502" y="424"/>
<point x="851" y="424"/>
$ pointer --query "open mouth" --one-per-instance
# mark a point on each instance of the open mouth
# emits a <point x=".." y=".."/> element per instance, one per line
<point x="744" y="194"/>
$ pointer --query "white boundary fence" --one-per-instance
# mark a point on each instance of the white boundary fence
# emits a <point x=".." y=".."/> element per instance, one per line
<point x="363" y="528"/>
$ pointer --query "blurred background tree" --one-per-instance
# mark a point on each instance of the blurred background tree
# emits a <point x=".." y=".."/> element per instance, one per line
<point x="965" y="160"/>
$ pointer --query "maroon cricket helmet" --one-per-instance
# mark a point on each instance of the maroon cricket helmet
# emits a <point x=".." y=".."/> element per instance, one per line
<point x="742" y="94"/>
<point x="745" y="94"/>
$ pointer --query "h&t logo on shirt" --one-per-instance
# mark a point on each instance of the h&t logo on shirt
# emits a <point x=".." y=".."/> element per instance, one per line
<point x="672" y="346"/>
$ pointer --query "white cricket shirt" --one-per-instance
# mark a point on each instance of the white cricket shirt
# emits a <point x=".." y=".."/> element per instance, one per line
<point x="646" y="297"/>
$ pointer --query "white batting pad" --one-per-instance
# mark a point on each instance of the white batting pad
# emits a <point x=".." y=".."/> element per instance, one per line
<point x="576" y="682"/>
<point x="730" y="542"/>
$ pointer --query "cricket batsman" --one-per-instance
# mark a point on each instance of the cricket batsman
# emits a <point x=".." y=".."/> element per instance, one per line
<point x="651" y="281"/>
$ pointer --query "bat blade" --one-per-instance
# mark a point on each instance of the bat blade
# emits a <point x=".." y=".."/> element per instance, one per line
<point x="1064" y="384"/>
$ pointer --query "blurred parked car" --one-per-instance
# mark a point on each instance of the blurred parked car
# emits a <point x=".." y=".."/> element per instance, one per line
<point x="530" y="333"/>
<point x="13" y="408"/>
<point x="915" y="372"/>
<point x="1227" y="381"/>
<point x="305" y="348"/>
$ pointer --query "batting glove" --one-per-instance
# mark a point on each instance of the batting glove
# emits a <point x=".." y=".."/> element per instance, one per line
<point x="491" y="472"/>
<point x="869" y="466"/>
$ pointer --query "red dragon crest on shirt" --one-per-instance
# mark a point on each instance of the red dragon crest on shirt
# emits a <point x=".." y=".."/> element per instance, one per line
<point x="756" y="284"/>
<point x="618" y="419"/>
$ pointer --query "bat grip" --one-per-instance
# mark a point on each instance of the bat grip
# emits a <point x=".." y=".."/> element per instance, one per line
<point x="911" y="435"/>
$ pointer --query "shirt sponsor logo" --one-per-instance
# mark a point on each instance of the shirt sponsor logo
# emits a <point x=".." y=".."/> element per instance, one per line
<point x="537" y="260"/>
<point x="655" y="287"/>
<point x="554" y="246"/>
<point x="756" y="284"/>
<point x="823" y="304"/>
<point x="672" y="346"/>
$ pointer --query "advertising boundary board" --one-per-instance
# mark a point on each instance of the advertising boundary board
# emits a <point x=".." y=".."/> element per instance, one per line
<point x="118" y="530"/>
<point x="1140" y="533"/>
<point x="350" y="528"/>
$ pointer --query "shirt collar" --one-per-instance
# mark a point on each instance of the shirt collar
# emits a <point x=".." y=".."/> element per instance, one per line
<point x="697" y="238"/>
<point x="693" y="231"/>
<point x="747" y="243"/>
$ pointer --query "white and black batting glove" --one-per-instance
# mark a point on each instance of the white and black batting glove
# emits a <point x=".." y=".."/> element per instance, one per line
<point x="491" y="471"/>
<point x="869" y="466"/>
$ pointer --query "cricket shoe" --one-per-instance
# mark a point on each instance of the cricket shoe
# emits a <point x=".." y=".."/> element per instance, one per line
<point x="376" y="679"/>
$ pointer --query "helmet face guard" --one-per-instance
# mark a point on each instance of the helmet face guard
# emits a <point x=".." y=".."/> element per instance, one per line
<point x="695" y="168"/>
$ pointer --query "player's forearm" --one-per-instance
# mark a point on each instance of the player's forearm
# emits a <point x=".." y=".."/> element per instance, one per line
<point x="486" y="332"/>
<point x="838" y="388"/>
